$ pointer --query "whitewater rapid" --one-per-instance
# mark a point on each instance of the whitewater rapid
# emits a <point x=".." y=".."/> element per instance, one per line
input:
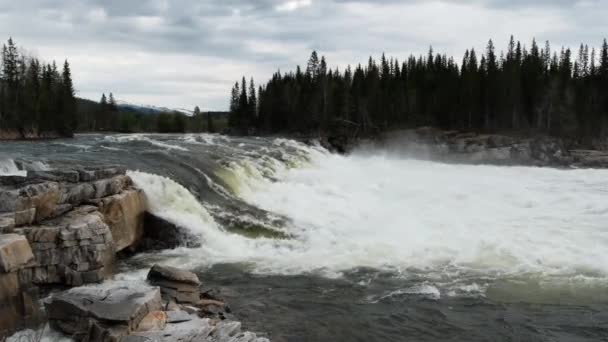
<point x="403" y="215"/>
<point x="299" y="238"/>
<point x="330" y="214"/>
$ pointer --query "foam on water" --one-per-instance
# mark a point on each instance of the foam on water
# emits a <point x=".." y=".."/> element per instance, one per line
<point x="9" y="168"/>
<point x="143" y="138"/>
<point x="389" y="213"/>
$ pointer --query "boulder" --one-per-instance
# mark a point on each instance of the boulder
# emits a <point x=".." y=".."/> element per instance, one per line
<point x="15" y="252"/>
<point x="124" y="214"/>
<point x="102" y="314"/>
<point x="175" y="284"/>
<point x="161" y="234"/>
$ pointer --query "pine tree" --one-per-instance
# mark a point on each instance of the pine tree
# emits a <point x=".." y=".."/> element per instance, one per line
<point x="603" y="68"/>
<point x="112" y="103"/>
<point x="312" y="69"/>
<point x="252" y="102"/>
<point x="68" y="100"/>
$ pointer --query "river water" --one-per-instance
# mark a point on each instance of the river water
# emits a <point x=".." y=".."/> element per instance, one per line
<point x="311" y="246"/>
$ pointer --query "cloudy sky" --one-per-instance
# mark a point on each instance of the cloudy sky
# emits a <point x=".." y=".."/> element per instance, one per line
<point x="182" y="53"/>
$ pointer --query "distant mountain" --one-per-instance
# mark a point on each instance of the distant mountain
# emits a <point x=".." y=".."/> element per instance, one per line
<point x="149" y="109"/>
<point x="89" y="107"/>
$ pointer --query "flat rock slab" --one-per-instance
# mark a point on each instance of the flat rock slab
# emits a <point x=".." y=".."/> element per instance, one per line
<point x="197" y="330"/>
<point x="178" y="316"/>
<point x="74" y="309"/>
<point x="15" y="252"/>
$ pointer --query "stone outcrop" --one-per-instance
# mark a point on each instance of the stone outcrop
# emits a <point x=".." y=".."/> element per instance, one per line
<point x="65" y="228"/>
<point x="175" y="284"/>
<point x="62" y="227"/>
<point x="72" y="250"/>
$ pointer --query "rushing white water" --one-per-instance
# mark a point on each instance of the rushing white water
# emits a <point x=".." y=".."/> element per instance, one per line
<point x="144" y="138"/>
<point x="404" y="215"/>
<point x="9" y="168"/>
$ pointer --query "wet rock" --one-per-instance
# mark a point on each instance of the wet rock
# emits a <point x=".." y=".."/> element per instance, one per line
<point x="15" y="252"/>
<point x="179" y="285"/>
<point x="124" y="214"/>
<point x="161" y="234"/>
<point x="103" y="313"/>
<point x="20" y="308"/>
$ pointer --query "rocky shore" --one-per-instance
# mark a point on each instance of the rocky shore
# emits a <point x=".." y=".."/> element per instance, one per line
<point x="12" y="134"/>
<point x="65" y="229"/>
<point x="497" y="149"/>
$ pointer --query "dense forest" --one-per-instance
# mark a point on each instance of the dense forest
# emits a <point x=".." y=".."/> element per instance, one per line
<point x="36" y="99"/>
<point x="525" y="89"/>
<point x="107" y="116"/>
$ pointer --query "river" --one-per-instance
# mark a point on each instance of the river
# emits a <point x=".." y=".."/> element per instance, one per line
<point x="312" y="246"/>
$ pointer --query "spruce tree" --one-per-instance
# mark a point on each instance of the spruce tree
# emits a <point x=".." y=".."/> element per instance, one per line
<point x="68" y="100"/>
<point x="252" y="102"/>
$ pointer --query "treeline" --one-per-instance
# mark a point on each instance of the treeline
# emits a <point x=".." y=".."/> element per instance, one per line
<point x="107" y="116"/>
<point x="36" y="98"/>
<point x="522" y="89"/>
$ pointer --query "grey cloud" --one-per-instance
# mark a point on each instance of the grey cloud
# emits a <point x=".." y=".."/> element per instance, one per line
<point x="184" y="40"/>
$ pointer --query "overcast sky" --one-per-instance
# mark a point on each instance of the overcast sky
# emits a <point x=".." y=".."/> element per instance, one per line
<point x="182" y="53"/>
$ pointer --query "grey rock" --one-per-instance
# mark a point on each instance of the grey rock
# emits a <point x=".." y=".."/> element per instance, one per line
<point x="7" y="223"/>
<point x="78" y="193"/>
<point x="178" y="316"/>
<point x="161" y="234"/>
<point x="73" y="311"/>
<point x="70" y="176"/>
<point x="173" y="274"/>
<point x="111" y="186"/>
<point x="175" y="284"/>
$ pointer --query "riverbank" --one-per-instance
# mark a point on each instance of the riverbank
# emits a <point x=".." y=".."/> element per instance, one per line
<point x="6" y="135"/>
<point x="67" y="228"/>
<point x="428" y="143"/>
